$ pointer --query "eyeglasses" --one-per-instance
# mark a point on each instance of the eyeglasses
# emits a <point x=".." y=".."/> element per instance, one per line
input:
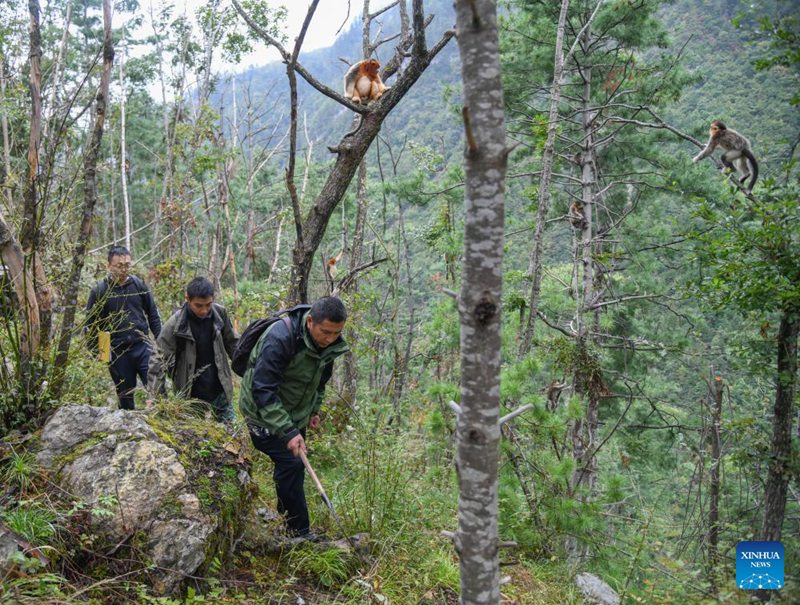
<point x="121" y="265"/>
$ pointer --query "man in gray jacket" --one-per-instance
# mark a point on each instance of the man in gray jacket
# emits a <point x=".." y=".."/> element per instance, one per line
<point x="194" y="347"/>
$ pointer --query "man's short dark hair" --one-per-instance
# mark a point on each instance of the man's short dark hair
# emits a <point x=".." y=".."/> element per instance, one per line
<point x="328" y="308"/>
<point x="117" y="251"/>
<point x="199" y="287"/>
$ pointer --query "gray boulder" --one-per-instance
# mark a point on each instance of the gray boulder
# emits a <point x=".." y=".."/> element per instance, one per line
<point x="137" y="489"/>
<point x="595" y="591"/>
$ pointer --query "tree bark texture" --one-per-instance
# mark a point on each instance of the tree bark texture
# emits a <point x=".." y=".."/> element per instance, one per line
<point x="6" y="141"/>
<point x="89" y="202"/>
<point x="714" y="482"/>
<point x="778" y="478"/>
<point x="29" y="230"/>
<point x="548" y="156"/>
<point x="480" y="301"/>
<point x="123" y="151"/>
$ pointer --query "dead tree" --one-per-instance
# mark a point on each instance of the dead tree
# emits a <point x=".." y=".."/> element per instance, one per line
<point x="353" y="145"/>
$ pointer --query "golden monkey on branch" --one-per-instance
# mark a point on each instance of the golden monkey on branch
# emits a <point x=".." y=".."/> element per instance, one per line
<point x="362" y="81"/>
<point x="737" y="151"/>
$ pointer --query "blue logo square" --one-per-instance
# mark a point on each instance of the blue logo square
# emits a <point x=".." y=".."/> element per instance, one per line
<point x="759" y="565"/>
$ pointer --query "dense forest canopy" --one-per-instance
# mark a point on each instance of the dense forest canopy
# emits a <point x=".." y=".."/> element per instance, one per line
<point x="647" y="307"/>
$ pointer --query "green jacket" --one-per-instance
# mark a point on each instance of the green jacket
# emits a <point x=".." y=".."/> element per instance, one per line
<point x="286" y="377"/>
<point x="176" y="353"/>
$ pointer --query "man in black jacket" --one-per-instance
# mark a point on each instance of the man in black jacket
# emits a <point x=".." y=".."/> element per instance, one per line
<point x="122" y="304"/>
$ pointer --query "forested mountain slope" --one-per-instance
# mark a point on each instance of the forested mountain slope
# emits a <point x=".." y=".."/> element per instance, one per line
<point x="649" y="309"/>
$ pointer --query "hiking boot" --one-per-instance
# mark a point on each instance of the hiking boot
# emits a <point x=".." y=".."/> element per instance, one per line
<point x="308" y="536"/>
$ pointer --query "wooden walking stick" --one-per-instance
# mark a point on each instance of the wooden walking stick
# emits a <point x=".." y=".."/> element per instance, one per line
<point x="329" y="504"/>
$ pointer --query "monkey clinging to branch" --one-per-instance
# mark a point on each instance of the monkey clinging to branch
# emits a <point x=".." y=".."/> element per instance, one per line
<point x="737" y="151"/>
<point x="362" y="81"/>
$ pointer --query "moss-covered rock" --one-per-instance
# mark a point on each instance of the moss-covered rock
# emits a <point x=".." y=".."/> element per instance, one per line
<point x="170" y="493"/>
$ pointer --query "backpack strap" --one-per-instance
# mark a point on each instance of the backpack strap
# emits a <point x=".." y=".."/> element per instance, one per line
<point x="251" y="363"/>
<point x="103" y="288"/>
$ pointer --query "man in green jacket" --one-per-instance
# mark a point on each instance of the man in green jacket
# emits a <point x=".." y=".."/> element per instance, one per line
<point x="282" y="391"/>
<point x="193" y="348"/>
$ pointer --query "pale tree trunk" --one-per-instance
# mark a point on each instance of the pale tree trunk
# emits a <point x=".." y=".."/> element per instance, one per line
<point x="58" y="69"/>
<point x="402" y="363"/>
<point x="714" y="483"/>
<point x="166" y="193"/>
<point x="19" y="276"/>
<point x="349" y="390"/>
<point x="584" y="430"/>
<point x="249" y="244"/>
<point x="777" y="484"/>
<point x="276" y="252"/>
<point x="37" y="321"/>
<point x="548" y="156"/>
<point x="123" y="153"/>
<point x="9" y="195"/>
<point x="89" y="202"/>
<point x="480" y="302"/>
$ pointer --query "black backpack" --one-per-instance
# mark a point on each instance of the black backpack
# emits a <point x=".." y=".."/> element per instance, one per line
<point x="249" y="338"/>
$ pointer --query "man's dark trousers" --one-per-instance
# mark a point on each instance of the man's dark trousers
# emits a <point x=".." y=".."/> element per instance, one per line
<point x="130" y="362"/>
<point x="289" y="476"/>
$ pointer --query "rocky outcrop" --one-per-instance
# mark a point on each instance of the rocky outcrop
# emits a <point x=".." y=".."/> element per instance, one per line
<point x="595" y="591"/>
<point x="141" y="492"/>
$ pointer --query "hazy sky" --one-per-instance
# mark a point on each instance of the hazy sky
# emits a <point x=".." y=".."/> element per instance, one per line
<point x="330" y="17"/>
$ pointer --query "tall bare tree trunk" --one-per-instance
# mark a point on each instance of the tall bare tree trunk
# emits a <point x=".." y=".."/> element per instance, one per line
<point x="349" y="389"/>
<point x="30" y="229"/>
<point x="9" y="195"/>
<point x="89" y="202"/>
<point x="548" y="155"/>
<point x="781" y="450"/>
<point x="58" y="70"/>
<point x="123" y="150"/>
<point x="249" y="244"/>
<point x="22" y="282"/>
<point x="123" y="154"/>
<point x="480" y="302"/>
<point x="584" y="430"/>
<point x="714" y="483"/>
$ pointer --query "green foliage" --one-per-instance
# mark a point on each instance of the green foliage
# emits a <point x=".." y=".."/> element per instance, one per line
<point x="20" y="471"/>
<point x="35" y="523"/>
<point x="751" y="257"/>
<point x="329" y="566"/>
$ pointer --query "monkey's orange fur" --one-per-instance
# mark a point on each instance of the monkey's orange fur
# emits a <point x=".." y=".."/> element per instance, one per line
<point x="362" y="81"/>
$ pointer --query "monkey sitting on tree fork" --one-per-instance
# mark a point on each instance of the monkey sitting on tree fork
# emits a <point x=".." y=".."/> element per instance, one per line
<point x="737" y="151"/>
<point x="362" y="81"/>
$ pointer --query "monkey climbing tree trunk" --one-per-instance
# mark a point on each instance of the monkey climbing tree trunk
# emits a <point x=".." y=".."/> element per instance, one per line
<point x="781" y="450"/>
<point x="89" y="202"/>
<point x="480" y="302"/>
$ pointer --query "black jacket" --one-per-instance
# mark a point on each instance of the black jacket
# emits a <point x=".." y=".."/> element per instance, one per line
<point x="127" y="311"/>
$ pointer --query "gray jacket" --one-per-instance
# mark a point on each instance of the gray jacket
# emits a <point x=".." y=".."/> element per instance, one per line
<point x="176" y="353"/>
